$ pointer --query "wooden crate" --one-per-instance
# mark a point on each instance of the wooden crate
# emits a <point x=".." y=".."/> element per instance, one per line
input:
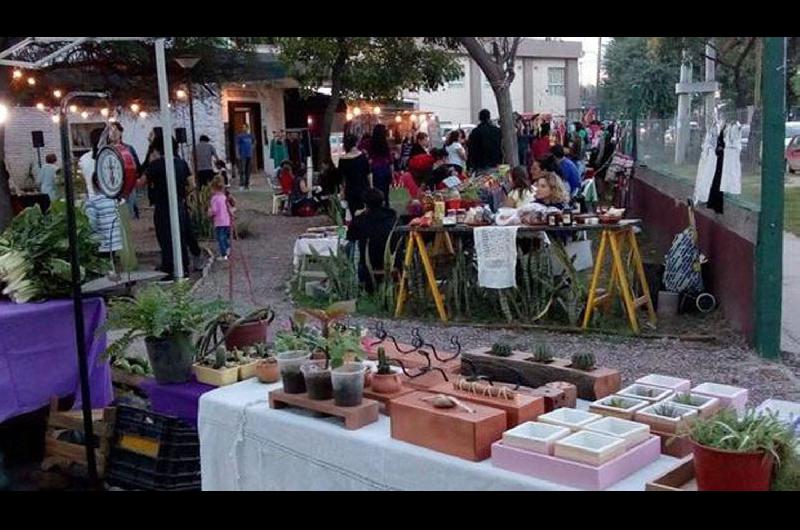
<point x="64" y="454"/>
<point x="679" y="478"/>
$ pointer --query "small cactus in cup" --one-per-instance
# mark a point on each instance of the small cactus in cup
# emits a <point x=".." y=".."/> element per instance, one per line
<point x="583" y="361"/>
<point x="384" y="368"/>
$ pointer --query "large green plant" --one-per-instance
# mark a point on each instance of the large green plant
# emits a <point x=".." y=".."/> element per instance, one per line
<point x="753" y="432"/>
<point x="156" y="312"/>
<point x="199" y="203"/>
<point x="34" y="254"/>
<point x="340" y="270"/>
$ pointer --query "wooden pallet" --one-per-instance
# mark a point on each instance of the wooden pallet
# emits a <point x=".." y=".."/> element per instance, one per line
<point x="64" y="454"/>
<point x="354" y="417"/>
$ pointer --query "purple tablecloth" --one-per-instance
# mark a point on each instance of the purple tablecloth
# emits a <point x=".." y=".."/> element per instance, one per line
<point x="176" y="400"/>
<point x="38" y="355"/>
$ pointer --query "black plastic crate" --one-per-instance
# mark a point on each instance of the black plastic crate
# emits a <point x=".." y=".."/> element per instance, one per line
<point x="130" y="477"/>
<point x="155" y="465"/>
<point x="148" y="424"/>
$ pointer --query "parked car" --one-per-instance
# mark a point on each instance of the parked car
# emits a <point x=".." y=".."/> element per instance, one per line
<point x="793" y="154"/>
<point x="792" y="130"/>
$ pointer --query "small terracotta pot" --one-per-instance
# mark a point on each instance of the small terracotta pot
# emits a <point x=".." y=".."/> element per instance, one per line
<point x="718" y="470"/>
<point x="386" y="383"/>
<point x="267" y="370"/>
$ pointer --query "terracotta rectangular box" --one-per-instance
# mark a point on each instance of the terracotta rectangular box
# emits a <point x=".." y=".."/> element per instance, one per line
<point x="518" y="410"/>
<point x="451" y="431"/>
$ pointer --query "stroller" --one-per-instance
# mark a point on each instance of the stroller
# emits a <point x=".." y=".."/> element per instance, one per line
<point x="683" y="272"/>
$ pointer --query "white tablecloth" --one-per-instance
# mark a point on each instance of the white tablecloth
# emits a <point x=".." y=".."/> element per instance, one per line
<point x="245" y="445"/>
<point x="325" y="246"/>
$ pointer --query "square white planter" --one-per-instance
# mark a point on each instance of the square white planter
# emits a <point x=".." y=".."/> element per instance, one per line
<point x="646" y="392"/>
<point x="590" y="448"/>
<point x="730" y="396"/>
<point x="535" y="436"/>
<point x="632" y="432"/>
<point x="573" y="419"/>
<point x="666" y="424"/>
<point x="626" y="412"/>
<point x="786" y="411"/>
<point x="665" y="381"/>
<point x="706" y="405"/>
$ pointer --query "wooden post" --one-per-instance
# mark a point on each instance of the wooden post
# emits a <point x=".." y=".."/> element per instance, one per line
<point x="769" y="248"/>
<point x="684" y="108"/>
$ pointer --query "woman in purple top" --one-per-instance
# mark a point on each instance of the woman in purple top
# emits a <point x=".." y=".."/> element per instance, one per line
<point x="380" y="161"/>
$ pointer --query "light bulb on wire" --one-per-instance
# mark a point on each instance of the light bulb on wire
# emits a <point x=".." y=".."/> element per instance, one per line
<point x="56" y="118"/>
<point x="40" y="106"/>
<point x="142" y="114"/>
<point x="57" y="94"/>
<point x="31" y="81"/>
<point x="357" y="111"/>
<point x="84" y="114"/>
<point x="104" y="112"/>
<point x="134" y="108"/>
<point x="398" y="119"/>
<point x="17" y="74"/>
<point x="349" y="116"/>
<point x="180" y="94"/>
<point x="376" y="111"/>
<point x="73" y="109"/>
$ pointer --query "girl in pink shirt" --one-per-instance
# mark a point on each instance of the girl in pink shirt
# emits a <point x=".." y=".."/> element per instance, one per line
<point x="220" y="212"/>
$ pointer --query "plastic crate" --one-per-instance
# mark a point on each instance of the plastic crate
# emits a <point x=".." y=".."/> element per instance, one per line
<point x="131" y="477"/>
<point x="155" y="435"/>
<point x="155" y="465"/>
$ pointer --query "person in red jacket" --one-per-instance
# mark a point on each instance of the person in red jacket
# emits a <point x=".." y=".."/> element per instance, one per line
<point x="540" y="147"/>
<point x="286" y="177"/>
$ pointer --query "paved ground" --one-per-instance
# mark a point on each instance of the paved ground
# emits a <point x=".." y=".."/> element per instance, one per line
<point x="790" y="338"/>
<point x="729" y="360"/>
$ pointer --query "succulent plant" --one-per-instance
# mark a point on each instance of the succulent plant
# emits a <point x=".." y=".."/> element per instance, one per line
<point x="220" y="357"/>
<point x="384" y="368"/>
<point x="583" y="361"/>
<point x="617" y="403"/>
<point x="542" y="353"/>
<point x="668" y="411"/>
<point x="688" y="399"/>
<point x="501" y="349"/>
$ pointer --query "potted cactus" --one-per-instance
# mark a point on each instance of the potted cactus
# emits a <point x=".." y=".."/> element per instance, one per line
<point x="266" y="365"/>
<point x="217" y="368"/>
<point x="501" y="349"/>
<point x="542" y="354"/>
<point x="583" y="361"/>
<point x="385" y="381"/>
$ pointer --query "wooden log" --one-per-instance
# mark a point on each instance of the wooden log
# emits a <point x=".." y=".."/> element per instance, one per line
<point x="592" y="385"/>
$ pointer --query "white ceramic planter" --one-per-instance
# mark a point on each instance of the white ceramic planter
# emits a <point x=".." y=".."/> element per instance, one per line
<point x="786" y="411"/>
<point x="646" y="392"/>
<point x="573" y="419"/>
<point x="629" y="406"/>
<point x="589" y="447"/>
<point x="675" y="384"/>
<point x="706" y="405"/>
<point x="729" y="396"/>
<point x="666" y="424"/>
<point x="632" y="432"/>
<point x="535" y="436"/>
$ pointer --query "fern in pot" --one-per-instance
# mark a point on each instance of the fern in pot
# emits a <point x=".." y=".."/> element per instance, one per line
<point x="166" y="318"/>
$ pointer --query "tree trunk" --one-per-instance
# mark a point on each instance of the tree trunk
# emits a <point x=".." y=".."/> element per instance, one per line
<point x="507" y="127"/>
<point x="337" y="70"/>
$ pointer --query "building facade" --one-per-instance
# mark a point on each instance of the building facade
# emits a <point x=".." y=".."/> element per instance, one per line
<point x="546" y="80"/>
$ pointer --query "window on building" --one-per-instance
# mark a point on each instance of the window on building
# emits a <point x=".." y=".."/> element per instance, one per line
<point x="555" y="81"/>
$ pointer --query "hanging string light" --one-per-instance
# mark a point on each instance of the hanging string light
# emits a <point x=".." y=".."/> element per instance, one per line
<point x="142" y="114"/>
<point x="57" y="94"/>
<point x="56" y="118"/>
<point x="17" y="74"/>
<point x="84" y="114"/>
<point x="398" y="119"/>
<point x="104" y="112"/>
<point x="40" y="106"/>
<point x="180" y="94"/>
<point x="357" y="111"/>
<point x="135" y="108"/>
<point x="376" y="111"/>
<point x="73" y="109"/>
<point x="349" y="116"/>
<point x="31" y="81"/>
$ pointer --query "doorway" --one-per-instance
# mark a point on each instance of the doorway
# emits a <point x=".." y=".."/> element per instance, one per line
<point x="246" y="113"/>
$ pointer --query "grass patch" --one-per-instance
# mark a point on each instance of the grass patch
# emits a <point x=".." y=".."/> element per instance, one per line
<point x="791" y="213"/>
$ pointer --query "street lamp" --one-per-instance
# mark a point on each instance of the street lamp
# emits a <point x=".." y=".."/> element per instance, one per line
<point x="187" y="63"/>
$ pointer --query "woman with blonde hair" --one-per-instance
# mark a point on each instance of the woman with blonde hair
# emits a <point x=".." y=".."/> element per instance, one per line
<point x="550" y="191"/>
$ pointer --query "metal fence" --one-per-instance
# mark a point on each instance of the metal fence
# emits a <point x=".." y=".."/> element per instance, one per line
<point x="657" y="139"/>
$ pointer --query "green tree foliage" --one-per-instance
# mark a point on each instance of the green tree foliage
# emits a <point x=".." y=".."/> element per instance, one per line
<point x="372" y="68"/>
<point x="637" y="73"/>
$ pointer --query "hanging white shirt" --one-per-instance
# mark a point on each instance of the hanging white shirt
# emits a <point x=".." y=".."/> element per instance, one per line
<point x="496" y="251"/>
<point x="86" y="163"/>
<point x="732" y="165"/>
<point x="707" y="165"/>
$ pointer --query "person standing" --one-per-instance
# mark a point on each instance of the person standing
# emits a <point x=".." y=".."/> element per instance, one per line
<point x="47" y="177"/>
<point x="456" y="155"/>
<point x="220" y="213"/>
<point x="420" y="146"/>
<point x="485" y="144"/>
<point x="405" y="151"/>
<point x="205" y="154"/>
<point x="540" y="147"/>
<point x="354" y="167"/>
<point x="244" y="152"/>
<point x="380" y="161"/>
<point x="86" y="162"/>
<point x="104" y="219"/>
<point x="371" y="230"/>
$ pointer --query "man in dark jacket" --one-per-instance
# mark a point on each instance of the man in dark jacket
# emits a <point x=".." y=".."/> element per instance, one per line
<point x="371" y="229"/>
<point x="484" y="149"/>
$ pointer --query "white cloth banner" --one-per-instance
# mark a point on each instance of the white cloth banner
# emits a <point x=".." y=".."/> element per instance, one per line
<point x="496" y="250"/>
<point x="247" y="446"/>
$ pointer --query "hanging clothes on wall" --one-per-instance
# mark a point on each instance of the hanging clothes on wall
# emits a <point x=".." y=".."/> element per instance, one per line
<point x="715" y="197"/>
<point x="707" y="165"/>
<point x="732" y="164"/>
<point x="277" y="151"/>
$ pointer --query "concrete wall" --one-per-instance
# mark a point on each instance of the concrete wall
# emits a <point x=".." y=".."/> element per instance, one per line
<point x="728" y="240"/>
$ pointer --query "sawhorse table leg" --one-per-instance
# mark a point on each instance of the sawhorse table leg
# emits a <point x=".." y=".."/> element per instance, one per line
<point x="415" y="239"/>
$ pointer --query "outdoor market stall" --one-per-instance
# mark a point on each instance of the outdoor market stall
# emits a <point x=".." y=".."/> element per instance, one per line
<point x="36" y="355"/>
<point x="245" y="445"/>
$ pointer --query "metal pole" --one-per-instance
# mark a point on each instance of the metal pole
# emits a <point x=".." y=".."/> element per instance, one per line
<point x="684" y="108"/>
<point x="169" y="156"/>
<point x="769" y="248"/>
<point x="77" y="302"/>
